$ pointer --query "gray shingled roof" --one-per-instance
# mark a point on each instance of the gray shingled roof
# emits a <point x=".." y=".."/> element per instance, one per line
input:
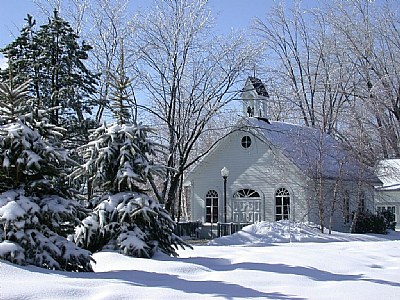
<point x="259" y="86"/>
<point x="312" y="151"/>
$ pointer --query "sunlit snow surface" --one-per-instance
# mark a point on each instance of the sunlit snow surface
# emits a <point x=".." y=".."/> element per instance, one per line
<point x="256" y="263"/>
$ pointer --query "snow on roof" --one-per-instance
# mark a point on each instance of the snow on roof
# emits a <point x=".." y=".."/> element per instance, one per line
<point x="388" y="172"/>
<point x="312" y="151"/>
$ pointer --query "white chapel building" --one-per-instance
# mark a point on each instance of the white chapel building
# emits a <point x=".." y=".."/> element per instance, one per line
<point x="271" y="171"/>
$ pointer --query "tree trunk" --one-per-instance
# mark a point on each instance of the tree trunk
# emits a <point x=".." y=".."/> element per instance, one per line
<point x="172" y="193"/>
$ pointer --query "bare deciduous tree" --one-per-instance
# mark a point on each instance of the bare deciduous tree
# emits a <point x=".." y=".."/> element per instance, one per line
<point x="188" y="74"/>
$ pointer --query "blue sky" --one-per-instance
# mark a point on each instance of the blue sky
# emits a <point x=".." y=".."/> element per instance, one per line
<point x="12" y="14"/>
<point x="229" y="13"/>
<point x="236" y="14"/>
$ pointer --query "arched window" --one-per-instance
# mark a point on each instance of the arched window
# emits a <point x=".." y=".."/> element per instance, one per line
<point x="282" y="204"/>
<point x="246" y="193"/>
<point x="212" y="206"/>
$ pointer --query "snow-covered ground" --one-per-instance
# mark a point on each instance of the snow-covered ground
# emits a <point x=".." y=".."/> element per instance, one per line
<point x="258" y="262"/>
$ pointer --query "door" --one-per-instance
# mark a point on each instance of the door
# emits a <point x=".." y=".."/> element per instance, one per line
<point x="247" y="206"/>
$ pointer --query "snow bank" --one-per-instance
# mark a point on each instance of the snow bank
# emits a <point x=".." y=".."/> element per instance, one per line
<point x="300" y="270"/>
<point x="265" y="233"/>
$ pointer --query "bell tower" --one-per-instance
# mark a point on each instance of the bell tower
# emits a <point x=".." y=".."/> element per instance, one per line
<point x="254" y="98"/>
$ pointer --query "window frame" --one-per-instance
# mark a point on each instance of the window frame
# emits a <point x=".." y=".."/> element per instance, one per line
<point x="212" y="206"/>
<point x="281" y="195"/>
<point x="246" y="141"/>
<point x="390" y="207"/>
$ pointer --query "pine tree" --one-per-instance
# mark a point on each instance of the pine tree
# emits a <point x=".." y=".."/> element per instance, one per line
<point x="121" y="98"/>
<point x="36" y="215"/>
<point x="124" y="217"/>
<point x="66" y="82"/>
<point x="54" y="61"/>
<point x="22" y="57"/>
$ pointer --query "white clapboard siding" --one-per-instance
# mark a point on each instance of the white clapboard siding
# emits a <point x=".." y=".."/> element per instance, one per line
<point x="281" y="155"/>
<point x="259" y="167"/>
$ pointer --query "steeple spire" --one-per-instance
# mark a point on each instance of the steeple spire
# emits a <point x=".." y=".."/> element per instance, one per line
<point x="254" y="98"/>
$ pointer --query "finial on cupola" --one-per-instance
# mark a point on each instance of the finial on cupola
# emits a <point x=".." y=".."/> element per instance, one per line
<point x="254" y="98"/>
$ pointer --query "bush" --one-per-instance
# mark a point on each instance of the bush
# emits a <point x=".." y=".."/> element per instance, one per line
<point x="389" y="219"/>
<point x="367" y="222"/>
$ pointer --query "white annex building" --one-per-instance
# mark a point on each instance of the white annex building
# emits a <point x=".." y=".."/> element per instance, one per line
<point x="271" y="171"/>
<point x="387" y="196"/>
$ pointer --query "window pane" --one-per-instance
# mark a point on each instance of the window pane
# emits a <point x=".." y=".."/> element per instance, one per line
<point x="246" y="141"/>
<point x="282" y="204"/>
<point x="286" y="200"/>
<point x="208" y="218"/>
<point x="286" y="210"/>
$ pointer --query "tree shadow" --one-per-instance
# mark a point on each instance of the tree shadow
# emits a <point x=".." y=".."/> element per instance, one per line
<point x="213" y="287"/>
<point x="209" y="287"/>
<point x="218" y="264"/>
<point x="153" y="279"/>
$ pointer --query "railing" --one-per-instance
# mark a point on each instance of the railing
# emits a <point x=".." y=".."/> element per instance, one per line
<point x="190" y="229"/>
<point x="193" y="229"/>
<point x="229" y="228"/>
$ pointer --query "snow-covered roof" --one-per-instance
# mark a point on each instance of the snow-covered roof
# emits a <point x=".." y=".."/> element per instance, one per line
<point x="388" y="172"/>
<point x="312" y="151"/>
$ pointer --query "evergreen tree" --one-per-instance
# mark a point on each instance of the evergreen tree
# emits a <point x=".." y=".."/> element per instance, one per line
<point x="52" y="58"/>
<point x="66" y="82"/>
<point x="22" y="57"/>
<point x="121" y="99"/>
<point x="36" y="215"/>
<point x="124" y="217"/>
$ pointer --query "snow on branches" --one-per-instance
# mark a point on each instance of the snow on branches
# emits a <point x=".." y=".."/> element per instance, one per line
<point x="35" y="214"/>
<point x="130" y="222"/>
<point x="118" y="164"/>
<point x="118" y="158"/>
<point x="30" y="230"/>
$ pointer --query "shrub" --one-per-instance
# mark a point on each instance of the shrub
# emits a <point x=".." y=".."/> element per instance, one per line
<point x="389" y="219"/>
<point x="367" y="222"/>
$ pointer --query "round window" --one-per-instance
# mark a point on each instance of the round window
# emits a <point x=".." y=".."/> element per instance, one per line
<point x="246" y="141"/>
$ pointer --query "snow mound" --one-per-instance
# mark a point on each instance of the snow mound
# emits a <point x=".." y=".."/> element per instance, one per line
<point x="265" y="233"/>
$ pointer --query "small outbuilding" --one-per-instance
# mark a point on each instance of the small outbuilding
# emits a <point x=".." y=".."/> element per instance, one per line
<point x="387" y="196"/>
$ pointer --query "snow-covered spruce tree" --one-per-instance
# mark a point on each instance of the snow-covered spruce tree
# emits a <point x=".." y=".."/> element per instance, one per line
<point x="118" y="167"/>
<point x="36" y="214"/>
<point x="124" y="217"/>
<point x="54" y="59"/>
<point x="22" y="57"/>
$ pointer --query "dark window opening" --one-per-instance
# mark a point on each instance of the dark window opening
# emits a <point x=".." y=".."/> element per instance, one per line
<point x="211" y="206"/>
<point x="282" y="204"/>
<point x="246" y="141"/>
